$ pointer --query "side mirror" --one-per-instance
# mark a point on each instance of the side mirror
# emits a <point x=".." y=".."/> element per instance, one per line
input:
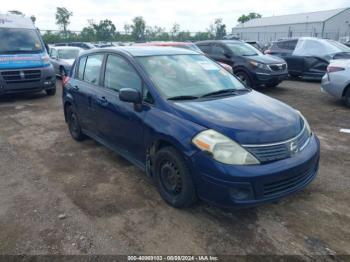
<point x="130" y="95"/>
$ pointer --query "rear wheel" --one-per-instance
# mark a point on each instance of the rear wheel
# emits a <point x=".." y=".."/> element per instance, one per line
<point x="173" y="178"/>
<point x="347" y="97"/>
<point x="245" y="78"/>
<point x="51" y="92"/>
<point x="73" y="124"/>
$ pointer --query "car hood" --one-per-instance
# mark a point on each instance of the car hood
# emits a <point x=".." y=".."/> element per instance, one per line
<point x="18" y="61"/>
<point x="252" y="118"/>
<point x="267" y="59"/>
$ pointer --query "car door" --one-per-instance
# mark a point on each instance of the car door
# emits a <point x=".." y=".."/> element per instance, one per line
<point x="221" y="54"/>
<point x="84" y="88"/>
<point x="118" y="122"/>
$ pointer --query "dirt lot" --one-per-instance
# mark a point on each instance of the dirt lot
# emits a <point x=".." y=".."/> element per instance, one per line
<point x="58" y="196"/>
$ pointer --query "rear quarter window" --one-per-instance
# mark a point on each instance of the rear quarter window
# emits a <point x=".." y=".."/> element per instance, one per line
<point x="81" y="68"/>
<point x="93" y="67"/>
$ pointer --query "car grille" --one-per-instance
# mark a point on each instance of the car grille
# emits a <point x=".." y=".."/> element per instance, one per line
<point x="290" y="183"/>
<point x="278" y="67"/>
<point x="23" y="76"/>
<point x="278" y="151"/>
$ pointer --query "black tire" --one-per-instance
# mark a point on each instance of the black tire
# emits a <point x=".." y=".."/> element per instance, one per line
<point x="73" y="124"/>
<point x="51" y="92"/>
<point x="173" y="179"/>
<point x="347" y="97"/>
<point x="245" y="78"/>
<point x="272" y="85"/>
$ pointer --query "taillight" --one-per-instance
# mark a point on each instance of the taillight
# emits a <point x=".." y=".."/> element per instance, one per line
<point x="65" y="80"/>
<point x="332" y="69"/>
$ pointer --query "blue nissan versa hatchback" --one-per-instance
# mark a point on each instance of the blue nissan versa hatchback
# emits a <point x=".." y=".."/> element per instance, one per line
<point x="191" y="125"/>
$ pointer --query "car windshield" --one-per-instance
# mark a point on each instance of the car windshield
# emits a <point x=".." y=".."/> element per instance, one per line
<point x="243" y="49"/>
<point x="19" y="41"/>
<point x="192" y="47"/>
<point x="190" y="76"/>
<point x="68" y="53"/>
<point x="319" y="47"/>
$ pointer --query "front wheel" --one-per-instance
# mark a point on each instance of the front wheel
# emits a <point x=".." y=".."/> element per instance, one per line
<point x="51" y="92"/>
<point x="173" y="178"/>
<point x="245" y="78"/>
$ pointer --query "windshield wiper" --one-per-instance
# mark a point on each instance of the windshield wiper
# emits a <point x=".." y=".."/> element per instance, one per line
<point x="224" y="92"/>
<point x="183" y="98"/>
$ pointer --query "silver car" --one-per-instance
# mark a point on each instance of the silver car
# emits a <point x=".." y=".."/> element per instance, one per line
<point x="336" y="81"/>
<point x="63" y="57"/>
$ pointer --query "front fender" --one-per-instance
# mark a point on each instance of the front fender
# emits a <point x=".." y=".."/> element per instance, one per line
<point x="163" y="126"/>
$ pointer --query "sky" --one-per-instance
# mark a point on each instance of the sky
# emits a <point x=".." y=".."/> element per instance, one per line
<point x="191" y="15"/>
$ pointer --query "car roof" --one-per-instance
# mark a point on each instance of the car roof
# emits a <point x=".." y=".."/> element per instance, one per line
<point x="67" y="47"/>
<point x="165" y="43"/>
<point x="16" y="21"/>
<point x="145" y="50"/>
<point x="220" y="41"/>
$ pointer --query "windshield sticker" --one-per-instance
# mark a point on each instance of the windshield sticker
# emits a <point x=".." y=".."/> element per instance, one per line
<point x="37" y="45"/>
<point x="208" y="66"/>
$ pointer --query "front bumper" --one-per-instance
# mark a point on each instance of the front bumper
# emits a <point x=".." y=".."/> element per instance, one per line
<point x="27" y="80"/>
<point x="271" y="78"/>
<point x="240" y="186"/>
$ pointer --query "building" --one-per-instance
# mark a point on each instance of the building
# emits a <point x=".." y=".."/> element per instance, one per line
<point x="333" y="24"/>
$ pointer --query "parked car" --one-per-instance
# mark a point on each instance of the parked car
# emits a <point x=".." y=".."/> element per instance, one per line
<point x="63" y="57"/>
<point x="308" y="57"/>
<point x="24" y="63"/>
<point x="185" y="45"/>
<point x="83" y="45"/>
<point x="249" y="64"/>
<point x="191" y="125"/>
<point x="336" y="81"/>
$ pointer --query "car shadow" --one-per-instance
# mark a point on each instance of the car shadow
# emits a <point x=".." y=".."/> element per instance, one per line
<point x="11" y="98"/>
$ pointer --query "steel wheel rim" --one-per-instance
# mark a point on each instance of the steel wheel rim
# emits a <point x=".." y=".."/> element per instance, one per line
<point x="170" y="178"/>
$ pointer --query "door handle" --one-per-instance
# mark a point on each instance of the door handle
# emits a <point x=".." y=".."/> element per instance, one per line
<point x="103" y="101"/>
<point x="75" y="88"/>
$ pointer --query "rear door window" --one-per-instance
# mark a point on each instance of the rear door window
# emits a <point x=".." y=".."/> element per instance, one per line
<point x="205" y="48"/>
<point x="93" y="68"/>
<point x="218" y="51"/>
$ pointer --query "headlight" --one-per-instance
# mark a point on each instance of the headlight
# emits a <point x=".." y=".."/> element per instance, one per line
<point x="45" y="59"/>
<point x="259" y="65"/>
<point x="308" y="128"/>
<point x="223" y="149"/>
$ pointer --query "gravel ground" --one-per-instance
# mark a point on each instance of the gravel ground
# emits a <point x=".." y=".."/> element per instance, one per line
<point x="58" y="196"/>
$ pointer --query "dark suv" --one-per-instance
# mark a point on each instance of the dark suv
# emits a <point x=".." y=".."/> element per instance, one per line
<point x="308" y="57"/>
<point x="249" y="64"/>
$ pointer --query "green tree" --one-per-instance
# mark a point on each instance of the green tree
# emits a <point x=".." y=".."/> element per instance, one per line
<point x="62" y="18"/>
<point x="138" y="28"/>
<point x="33" y="18"/>
<point x="105" y="30"/>
<point x="244" y="18"/>
<point x="175" y="31"/>
<point x="220" y="28"/>
<point x="15" y="12"/>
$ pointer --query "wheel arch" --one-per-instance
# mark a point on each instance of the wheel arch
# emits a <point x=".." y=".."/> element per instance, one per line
<point x="346" y="90"/>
